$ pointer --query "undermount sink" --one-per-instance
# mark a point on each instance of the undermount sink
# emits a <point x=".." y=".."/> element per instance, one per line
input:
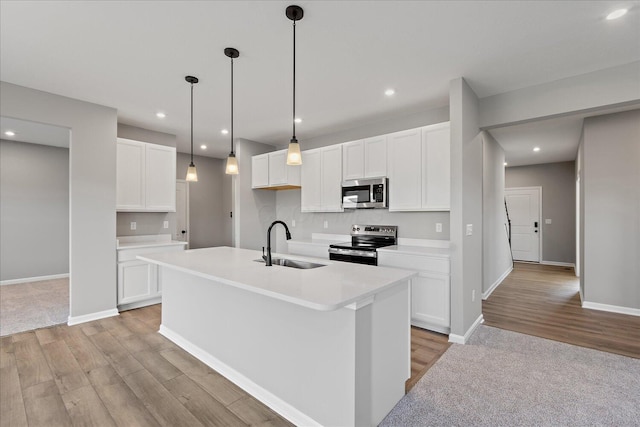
<point x="293" y="263"/>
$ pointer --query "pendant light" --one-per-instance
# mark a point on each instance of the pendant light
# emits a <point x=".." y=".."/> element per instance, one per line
<point x="295" y="13"/>
<point x="232" y="162"/>
<point x="192" y="174"/>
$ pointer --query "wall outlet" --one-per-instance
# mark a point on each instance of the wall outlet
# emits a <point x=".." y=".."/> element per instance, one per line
<point x="133" y="225"/>
<point x="326" y="224"/>
<point x="293" y="222"/>
<point x="165" y="224"/>
<point x="473" y="295"/>
<point x="469" y="229"/>
<point x="547" y="221"/>
<point x="438" y="227"/>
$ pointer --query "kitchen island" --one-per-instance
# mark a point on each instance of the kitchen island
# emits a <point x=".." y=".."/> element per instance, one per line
<point x="322" y="346"/>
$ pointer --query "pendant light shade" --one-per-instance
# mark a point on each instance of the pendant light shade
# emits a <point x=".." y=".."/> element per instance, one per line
<point x="192" y="174"/>
<point x="294" y="157"/>
<point x="232" y="162"/>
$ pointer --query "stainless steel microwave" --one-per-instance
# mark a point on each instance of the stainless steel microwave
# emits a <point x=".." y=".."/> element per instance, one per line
<point x="365" y="193"/>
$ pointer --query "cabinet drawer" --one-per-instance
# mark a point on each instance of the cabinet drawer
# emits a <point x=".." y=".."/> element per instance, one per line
<point x="131" y="254"/>
<point x="414" y="262"/>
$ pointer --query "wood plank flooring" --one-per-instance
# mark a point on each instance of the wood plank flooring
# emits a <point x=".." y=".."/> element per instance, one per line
<point x="120" y="372"/>
<point x="543" y="301"/>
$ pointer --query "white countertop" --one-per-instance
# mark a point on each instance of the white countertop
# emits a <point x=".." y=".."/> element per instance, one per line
<point x="327" y="288"/>
<point x="146" y="241"/>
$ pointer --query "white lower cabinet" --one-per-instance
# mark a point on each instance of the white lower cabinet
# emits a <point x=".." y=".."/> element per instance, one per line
<point x="430" y="291"/>
<point x="139" y="283"/>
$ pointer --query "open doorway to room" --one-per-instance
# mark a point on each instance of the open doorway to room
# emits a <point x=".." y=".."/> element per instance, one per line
<point x="34" y="225"/>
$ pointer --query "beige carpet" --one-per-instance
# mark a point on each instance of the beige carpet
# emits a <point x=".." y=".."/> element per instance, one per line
<point x="503" y="378"/>
<point x="28" y="306"/>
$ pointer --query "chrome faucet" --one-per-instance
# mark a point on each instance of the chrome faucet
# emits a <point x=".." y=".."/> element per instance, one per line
<point x="267" y="257"/>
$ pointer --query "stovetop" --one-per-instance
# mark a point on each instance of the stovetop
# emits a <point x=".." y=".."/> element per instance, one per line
<point x="370" y="237"/>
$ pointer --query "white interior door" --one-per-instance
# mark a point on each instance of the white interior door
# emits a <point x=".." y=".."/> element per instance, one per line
<point x="524" y="206"/>
<point x="182" y="211"/>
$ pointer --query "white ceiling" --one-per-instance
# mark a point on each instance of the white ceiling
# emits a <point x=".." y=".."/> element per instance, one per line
<point x="134" y="55"/>
<point x="35" y="133"/>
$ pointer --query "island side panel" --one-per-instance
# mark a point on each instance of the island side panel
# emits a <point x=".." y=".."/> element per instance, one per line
<point x="297" y="357"/>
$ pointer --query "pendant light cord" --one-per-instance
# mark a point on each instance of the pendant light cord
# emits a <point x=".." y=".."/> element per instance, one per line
<point x="232" y="105"/>
<point x="294" y="79"/>
<point x="191" y="123"/>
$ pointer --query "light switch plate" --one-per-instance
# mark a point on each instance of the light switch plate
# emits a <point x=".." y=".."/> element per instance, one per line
<point x="438" y="227"/>
<point x="166" y="224"/>
<point x="293" y="222"/>
<point x="326" y="224"/>
<point x="133" y="225"/>
<point x="547" y="221"/>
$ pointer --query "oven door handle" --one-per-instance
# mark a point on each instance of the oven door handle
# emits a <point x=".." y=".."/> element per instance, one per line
<point x="367" y="254"/>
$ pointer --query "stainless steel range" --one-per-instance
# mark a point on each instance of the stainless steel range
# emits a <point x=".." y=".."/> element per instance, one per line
<point x="365" y="240"/>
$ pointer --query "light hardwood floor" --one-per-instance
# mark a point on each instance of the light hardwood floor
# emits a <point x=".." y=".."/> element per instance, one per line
<point x="543" y="300"/>
<point x="120" y="371"/>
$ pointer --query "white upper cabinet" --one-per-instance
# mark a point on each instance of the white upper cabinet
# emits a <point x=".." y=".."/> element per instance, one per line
<point x="321" y="180"/>
<point x="419" y="169"/>
<point x="436" y="167"/>
<point x="366" y="158"/>
<point x="271" y="171"/>
<point x="405" y="177"/>
<point x="146" y="177"/>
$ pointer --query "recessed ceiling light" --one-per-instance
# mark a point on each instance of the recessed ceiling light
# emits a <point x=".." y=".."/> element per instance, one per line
<point x="298" y="120"/>
<point x="505" y="163"/>
<point x="204" y="147"/>
<point x="389" y="92"/>
<point x="10" y="133"/>
<point x="616" y="14"/>
<point x="536" y="149"/>
<point x="224" y="131"/>
<point x="160" y="115"/>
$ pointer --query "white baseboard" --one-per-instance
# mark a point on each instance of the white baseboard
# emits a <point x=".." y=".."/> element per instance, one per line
<point x="34" y="279"/>
<point x="278" y="405"/>
<point x="430" y="326"/>
<point x="460" y="339"/>
<point x="138" y="304"/>
<point x="493" y="287"/>
<point x="559" y="264"/>
<point x="611" y="308"/>
<point x="74" y="320"/>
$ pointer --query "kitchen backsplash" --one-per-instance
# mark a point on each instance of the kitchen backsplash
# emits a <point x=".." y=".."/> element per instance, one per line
<point x="146" y="223"/>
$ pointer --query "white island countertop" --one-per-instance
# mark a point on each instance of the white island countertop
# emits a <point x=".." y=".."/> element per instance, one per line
<point x="331" y="287"/>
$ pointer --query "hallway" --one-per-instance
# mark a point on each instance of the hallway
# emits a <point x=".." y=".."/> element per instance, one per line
<point x="543" y="301"/>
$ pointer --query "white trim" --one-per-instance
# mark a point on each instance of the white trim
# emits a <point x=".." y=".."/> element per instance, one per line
<point x="611" y="308"/>
<point x="74" y="320"/>
<point x="459" y="339"/>
<point x="138" y="304"/>
<point x="559" y="264"/>
<point x="493" y="287"/>
<point x="34" y="279"/>
<point x="275" y="403"/>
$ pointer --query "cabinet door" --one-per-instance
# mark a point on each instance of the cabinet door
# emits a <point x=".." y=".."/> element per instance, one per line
<point x="436" y="175"/>
<point x="135" y="281"/>
<point x="375" y="157"/>
<point x="311" y="180"/>
<point x="353" y="160"/>
<point x="260" y="171"/>
<point x="405" y="176"/>
<point x="430" y="301"/>
<point x="278" y="168"/>
<point x="160" y="178"/>
<point x="130" y="166"/>
<point x="332" y="179"/>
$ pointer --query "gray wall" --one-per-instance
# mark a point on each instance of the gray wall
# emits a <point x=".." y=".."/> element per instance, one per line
<point x="207" y="221"/>
<point x="611" y="180"/>
<point x="466" y="207"/>
<point x="558" y="204"/>
<point x="610" y="87"/>
<point x="254" y="210"/>
<point x="34" y="210"/>
<point x="496" y="257"/>
<point x="92" y="190"/>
